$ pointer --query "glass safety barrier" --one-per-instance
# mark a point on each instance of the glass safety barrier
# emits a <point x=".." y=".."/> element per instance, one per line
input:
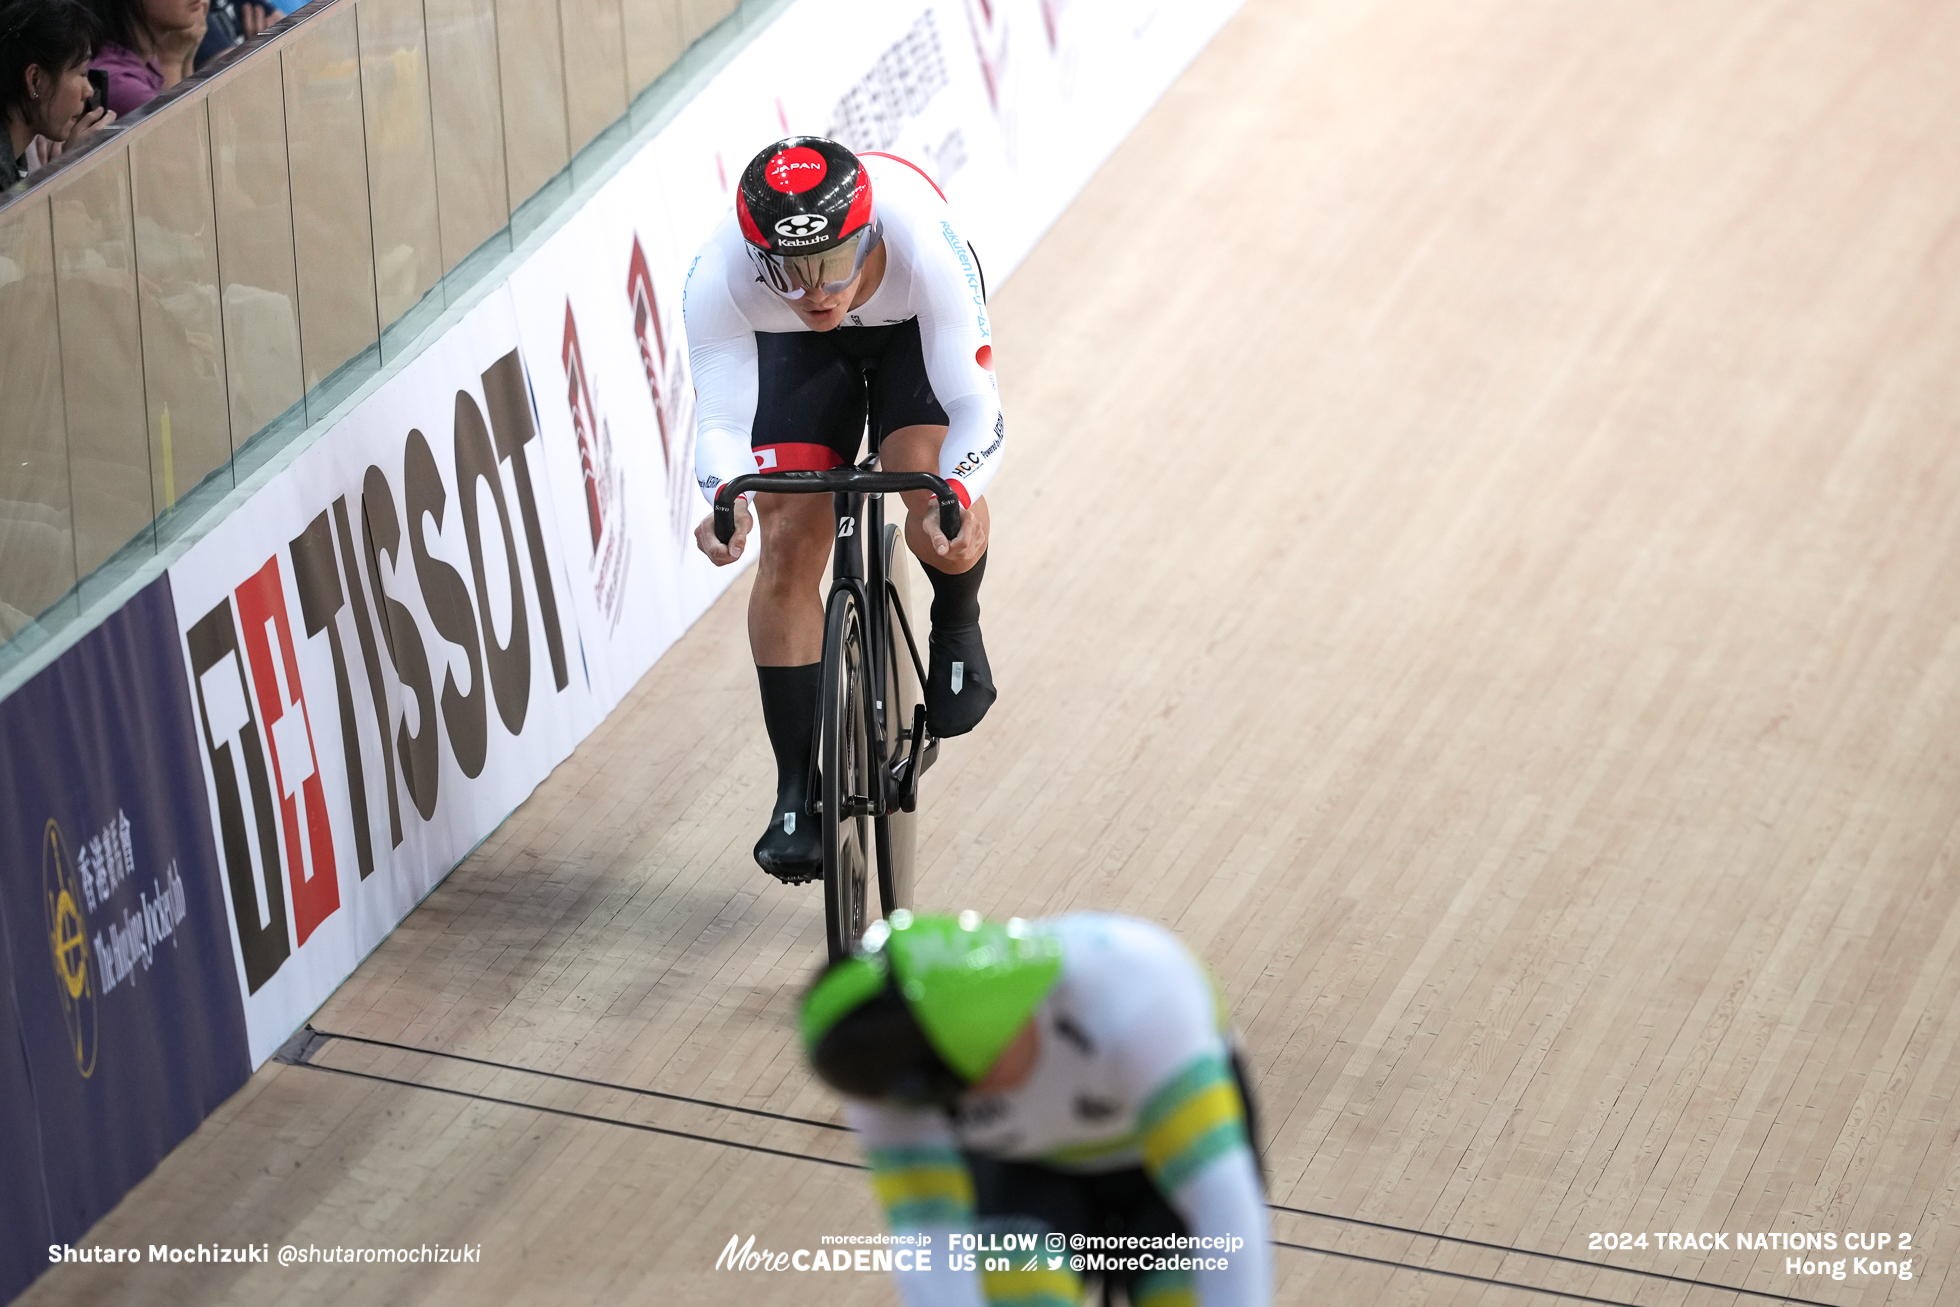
<point x="214" y="274"/>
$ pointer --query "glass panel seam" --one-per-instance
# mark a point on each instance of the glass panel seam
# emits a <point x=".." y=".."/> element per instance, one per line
<point x="367" y="185"/>
<point x="142" y="354"/>
<point x="503" y="110"/>
<point x="625" y="73"/>
<point x="435" y="154"/>
<point x="292" y="230"/>
<point x="61" y="391"/>
<point x="218" y="266"/>
<point x="565" y="81"/>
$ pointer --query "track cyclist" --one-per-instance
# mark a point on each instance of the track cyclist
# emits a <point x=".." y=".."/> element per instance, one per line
<point x="1018" y="1085"/>
<point x="827" y="260"/>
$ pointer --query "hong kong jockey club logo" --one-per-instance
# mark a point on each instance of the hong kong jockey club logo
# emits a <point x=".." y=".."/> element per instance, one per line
<point x="61" y="896"/>
<point x="799" y="225"/>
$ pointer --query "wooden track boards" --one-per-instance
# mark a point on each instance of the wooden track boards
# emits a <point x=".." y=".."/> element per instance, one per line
<point x="1476" y="557"/>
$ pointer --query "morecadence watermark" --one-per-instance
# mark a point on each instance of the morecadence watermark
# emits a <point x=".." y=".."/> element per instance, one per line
<point x="845" y="1252"/>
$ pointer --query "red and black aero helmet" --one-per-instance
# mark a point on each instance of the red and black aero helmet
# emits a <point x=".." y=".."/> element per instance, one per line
<point x="805" y="211"/>
<point x="803" y="195"/>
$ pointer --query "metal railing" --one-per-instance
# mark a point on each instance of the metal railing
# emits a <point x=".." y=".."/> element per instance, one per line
<point x="216" y="273"/>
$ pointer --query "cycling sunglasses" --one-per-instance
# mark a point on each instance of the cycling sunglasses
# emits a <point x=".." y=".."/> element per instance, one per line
<point x="831" y="271"/>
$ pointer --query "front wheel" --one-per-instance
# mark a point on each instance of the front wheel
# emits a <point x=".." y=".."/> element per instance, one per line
<point x="845" y="784"/>
<point x="896" y="830"/>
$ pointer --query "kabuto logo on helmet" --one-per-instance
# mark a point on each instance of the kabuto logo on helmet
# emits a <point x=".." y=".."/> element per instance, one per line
<point x="798" y="226"/>
<point x="802" y="195"/>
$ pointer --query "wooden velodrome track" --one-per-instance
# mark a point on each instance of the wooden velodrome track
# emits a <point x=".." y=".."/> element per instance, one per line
<point x="1476" y="556"/>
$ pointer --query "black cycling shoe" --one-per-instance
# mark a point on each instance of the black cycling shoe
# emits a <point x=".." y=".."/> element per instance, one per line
<point x="791" y="849"/>
<point x="959" y="684"/>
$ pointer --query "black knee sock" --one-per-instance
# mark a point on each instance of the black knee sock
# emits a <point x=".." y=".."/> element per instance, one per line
<point x="789" y="713"/>
<point x="956" y="595"/>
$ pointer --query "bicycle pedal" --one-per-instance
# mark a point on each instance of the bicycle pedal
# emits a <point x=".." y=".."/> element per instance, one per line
<point x="918" y="756"/>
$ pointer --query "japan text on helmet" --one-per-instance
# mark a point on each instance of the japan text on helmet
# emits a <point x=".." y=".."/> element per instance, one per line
<point x="804" y="207"/>
<point x="928" y="1006"/>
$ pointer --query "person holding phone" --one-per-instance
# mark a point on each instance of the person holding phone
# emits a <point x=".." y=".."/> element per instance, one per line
<point x="147" y="46"/>
<point x="47" y="99"/>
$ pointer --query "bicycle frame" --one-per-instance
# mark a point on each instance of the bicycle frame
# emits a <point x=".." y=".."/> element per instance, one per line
<point x="857" y="506"/>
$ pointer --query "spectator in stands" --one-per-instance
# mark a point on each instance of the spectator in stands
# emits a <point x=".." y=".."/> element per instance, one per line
<point x="232" y="23"/>
<point x="45" y="48"/>
<point x="147" y="46"/>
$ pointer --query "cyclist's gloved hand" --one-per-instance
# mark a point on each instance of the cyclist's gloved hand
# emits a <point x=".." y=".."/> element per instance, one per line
<point x="721" y="555"/>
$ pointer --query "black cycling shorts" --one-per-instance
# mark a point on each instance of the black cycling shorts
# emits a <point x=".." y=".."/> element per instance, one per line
<point x="809" y="406"/>
<point x="1028" y="1197"/>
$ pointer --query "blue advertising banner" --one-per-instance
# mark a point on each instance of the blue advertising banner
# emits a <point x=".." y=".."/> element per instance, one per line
<point x="24" y="1193"/>
<point x="123" y="986"/>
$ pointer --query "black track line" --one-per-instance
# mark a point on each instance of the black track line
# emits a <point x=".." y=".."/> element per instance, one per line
<point x="1686" y="1281"/>
<point x="581" y="1080"/>
<point x="586" y="1116"/>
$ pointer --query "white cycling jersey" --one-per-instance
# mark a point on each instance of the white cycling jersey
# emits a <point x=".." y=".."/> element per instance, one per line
<point x="1133" y="1070"/>
<point x="930" y="274"/>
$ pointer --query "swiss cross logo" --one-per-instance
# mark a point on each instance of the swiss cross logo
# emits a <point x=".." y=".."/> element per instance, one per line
<point x="245" y="720"/>
<point x="295" y="769"/>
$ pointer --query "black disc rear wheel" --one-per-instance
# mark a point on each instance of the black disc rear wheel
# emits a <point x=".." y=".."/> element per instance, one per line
<point x="845" y="783"/>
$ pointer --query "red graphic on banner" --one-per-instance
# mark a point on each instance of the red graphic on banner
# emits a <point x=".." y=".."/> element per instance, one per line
<point x="646" y="319"/>
<point x="295" y="767"/>
<point x="605" y="485"/>
<point x="584" y="424"/>
<point x="665" y="364"/>
<point x="989" y="28"/>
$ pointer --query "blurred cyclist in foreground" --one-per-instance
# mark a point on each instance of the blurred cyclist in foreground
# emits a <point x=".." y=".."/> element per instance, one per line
<point x="1016" y="1085"/>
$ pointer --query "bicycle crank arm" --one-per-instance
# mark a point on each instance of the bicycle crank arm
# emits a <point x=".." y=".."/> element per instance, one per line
<point x="855" y="806"/>
<point x="918" y="759"/>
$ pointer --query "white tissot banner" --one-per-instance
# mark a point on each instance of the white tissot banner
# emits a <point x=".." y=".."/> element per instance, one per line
<point x="393" y="642"/>
<point x="382" y="664"/>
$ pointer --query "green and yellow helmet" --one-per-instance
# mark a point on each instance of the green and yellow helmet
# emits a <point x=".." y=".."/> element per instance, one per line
<point x="928" y="1005"/>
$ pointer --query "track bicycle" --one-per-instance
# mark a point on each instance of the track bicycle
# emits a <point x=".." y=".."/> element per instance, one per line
<point x="870" y="745"/>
